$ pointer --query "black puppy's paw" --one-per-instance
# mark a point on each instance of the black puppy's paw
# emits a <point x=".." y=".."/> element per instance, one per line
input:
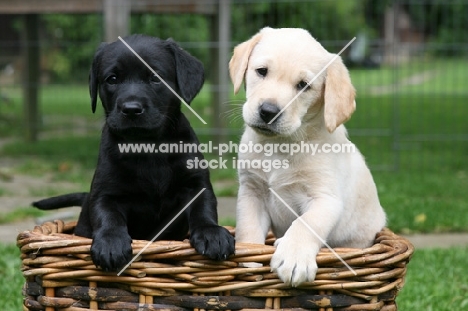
<point x="111" y="251"/>
<point x="215" y="242"/>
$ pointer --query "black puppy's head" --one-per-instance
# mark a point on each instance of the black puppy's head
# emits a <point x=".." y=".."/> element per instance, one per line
<point x="136" y="101"/>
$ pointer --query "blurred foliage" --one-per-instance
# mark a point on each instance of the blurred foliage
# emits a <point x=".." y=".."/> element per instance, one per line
<point x="443" y="22"/>
<point x="192" y="31"/>
<point x="70" y="40"/>
<point x="451" y="33"/>
<point x="325" y="20"/>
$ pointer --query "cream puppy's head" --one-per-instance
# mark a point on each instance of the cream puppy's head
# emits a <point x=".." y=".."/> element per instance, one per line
<point x="276" y="65"/>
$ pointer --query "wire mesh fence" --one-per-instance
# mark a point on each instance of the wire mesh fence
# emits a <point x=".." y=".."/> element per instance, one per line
<point x="408" y="64"/>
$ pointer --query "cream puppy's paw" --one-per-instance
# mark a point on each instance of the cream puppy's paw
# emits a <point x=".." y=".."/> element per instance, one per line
<point x="294" y="261"/>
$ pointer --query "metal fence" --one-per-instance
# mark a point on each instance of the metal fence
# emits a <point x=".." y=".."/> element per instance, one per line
<point x="408" y="64"/>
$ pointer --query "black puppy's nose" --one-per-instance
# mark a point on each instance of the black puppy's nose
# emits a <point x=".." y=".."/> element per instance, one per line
<point x="268" y="111"/>
<point x="132" y="109"/>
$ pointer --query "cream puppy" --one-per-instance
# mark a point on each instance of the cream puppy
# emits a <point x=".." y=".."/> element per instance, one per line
<point x="333" y="193"/>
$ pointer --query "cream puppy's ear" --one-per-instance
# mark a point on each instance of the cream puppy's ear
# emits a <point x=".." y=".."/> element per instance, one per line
<point x="240" y="59"/>
<point x="339" y="95"/>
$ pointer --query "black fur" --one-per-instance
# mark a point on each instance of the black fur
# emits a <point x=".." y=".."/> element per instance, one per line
<point x="133" y="196"/>
<point x="72" y="199"/>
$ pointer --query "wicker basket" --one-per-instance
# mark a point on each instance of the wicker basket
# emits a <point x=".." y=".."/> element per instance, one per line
<point x="170" y="275"/>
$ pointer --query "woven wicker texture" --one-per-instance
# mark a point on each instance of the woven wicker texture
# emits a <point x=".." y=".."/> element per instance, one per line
<point x="170" y="275"/>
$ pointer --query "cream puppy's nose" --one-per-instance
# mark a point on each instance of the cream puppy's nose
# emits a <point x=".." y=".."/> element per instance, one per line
<point x="268" y="111"/>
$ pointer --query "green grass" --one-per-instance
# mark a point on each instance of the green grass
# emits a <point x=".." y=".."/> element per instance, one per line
<point x="4" y="192"/>
<point x="430" y="131"/>
<point x="424" y="202"/>
<point x="436" y="280"/>
<point x="424" y="176"/>
<point x="446" y="77"/>
<point x="227" y="221"/>
<point x="12" y="280"/>
<point x="57" y="152"/>
<point x="55" y="99"/>
<point x="20" y="214"/>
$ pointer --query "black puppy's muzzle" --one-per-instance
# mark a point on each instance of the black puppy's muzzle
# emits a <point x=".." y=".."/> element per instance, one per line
<point x="132" y="109"/>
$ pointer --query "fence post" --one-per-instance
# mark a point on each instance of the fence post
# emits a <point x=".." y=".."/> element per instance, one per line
<point x="116" y="19"/>
<point x="221" y="38"/>
<point x="31" y="76"/>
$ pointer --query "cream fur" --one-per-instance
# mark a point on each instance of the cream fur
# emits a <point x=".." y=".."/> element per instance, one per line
<point x="333" y="193"/>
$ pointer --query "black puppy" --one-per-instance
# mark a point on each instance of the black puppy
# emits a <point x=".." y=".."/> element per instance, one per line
<point x="133" y="196"/>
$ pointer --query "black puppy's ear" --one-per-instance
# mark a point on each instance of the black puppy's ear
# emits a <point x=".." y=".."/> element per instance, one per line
<point x="93" y="76"/>
<point x="190" y="72"/>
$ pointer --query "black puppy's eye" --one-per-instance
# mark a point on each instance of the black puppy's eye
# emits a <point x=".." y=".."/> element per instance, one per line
<point x="301" y="85"/>
<point x="112" y="79"/>
<point x="155" y="79"/>
<point x="262" y="71"/>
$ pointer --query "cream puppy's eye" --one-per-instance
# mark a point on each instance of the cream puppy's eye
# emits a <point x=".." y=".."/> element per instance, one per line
<point x="262" y="71"/>
<point x="301" y="85"/>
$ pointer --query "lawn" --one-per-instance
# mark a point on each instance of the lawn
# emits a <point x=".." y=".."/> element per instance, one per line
<point x="436" y="281"/>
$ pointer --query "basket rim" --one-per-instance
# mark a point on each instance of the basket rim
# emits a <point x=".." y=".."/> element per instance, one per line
<point x="57" y="258"/>
<point x="53" y="234"/>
